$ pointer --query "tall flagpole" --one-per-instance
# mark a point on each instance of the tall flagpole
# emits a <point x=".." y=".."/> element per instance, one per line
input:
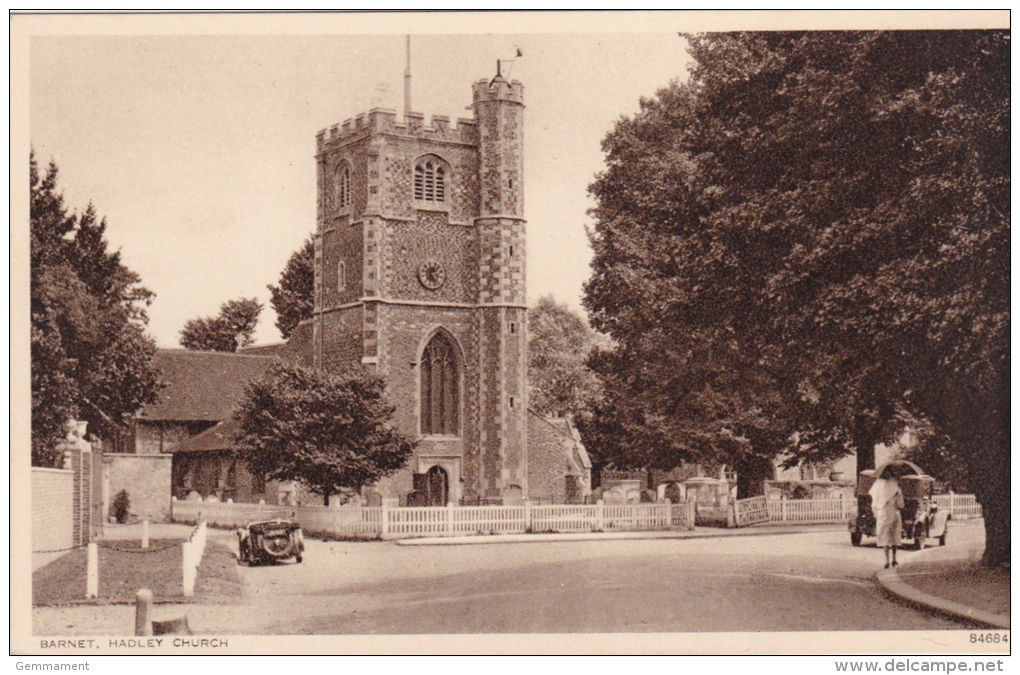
<point x="407" y="79"/>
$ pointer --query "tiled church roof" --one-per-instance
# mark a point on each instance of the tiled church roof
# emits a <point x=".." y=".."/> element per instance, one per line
<point x="201" y="386"/>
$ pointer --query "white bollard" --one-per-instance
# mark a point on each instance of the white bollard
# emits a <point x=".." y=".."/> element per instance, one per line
<point x="92" y="571"/>
<point x="187" y="569"/>
<point x="145" y="533"/>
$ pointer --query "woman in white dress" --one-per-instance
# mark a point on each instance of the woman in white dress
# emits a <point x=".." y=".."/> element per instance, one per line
<point x="886" y="502"/>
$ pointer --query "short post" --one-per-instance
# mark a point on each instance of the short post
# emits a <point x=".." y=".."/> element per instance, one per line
<point x="143" y="612"/>
<point x="692" y="514"/>
<point x="187" y="569"/>
<point x="527" y="515"/>
<point x="599" y="515"/>
<point x="384" y="522"/>
<point x="145" y="533"/>
<point x="782" y="508"/>
<point x="449" y="517"/>
<point x="731" y="514"/>
<point x="92" y="571"/>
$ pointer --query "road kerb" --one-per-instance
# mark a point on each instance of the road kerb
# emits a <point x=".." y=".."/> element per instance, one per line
<point x="889" y="580"/>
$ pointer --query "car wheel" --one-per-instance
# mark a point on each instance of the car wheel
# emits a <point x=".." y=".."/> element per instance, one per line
<point x="297" y="559"/>
<point x="942" y="539"/>
<point x="855" y="538"/>
<point x="918" y="538"/>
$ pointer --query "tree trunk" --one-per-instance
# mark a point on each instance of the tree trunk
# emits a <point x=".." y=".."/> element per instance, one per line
<point x="990" y="469"/>
<point x="865" y="436"/>
<point x="752" y="473"/>
<point x="996" y="532"/>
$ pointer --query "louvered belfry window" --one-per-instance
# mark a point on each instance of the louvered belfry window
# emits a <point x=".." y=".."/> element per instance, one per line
<point x="429" y="181"/>
<point x="440" y="398"/>
<point x="343" y="186"/>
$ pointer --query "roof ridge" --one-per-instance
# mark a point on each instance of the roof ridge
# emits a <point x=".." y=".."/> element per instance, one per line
<point x="546" y="419"/>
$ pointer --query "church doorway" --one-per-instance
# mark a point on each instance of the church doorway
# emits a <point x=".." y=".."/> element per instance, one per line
<point x="431" y="488"/>
<point x="438" y="486"/>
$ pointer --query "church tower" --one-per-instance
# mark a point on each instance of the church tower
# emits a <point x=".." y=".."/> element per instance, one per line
<point x="419" y="275"/>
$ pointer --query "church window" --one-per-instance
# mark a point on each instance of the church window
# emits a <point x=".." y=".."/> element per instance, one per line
<point x="343" y="186"/>
<point x="513" y="328"/>
<point x="430" y="177"/>
<point x="440" y="396"/>
<point x="341" y="276"/>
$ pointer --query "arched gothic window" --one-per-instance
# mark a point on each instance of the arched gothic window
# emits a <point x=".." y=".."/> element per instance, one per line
<point x="343" y="186"/>
<point x="440" y="395"/>
<point x="430" y="180"/>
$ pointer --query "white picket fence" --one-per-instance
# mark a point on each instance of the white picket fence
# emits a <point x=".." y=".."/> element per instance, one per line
<point x="444" y="521"/>
<point x="808" y="511"/>
<point x="751" y="511"/>
<point x="961" y="507"/>
<point x="758" y="510"/>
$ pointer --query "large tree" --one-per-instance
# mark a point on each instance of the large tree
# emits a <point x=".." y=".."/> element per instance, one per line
<point x="293" y="299"/>
<point x="815" y="227"/>
<point x="228" y="331"/>
<point x="329" y="431"/>
<point x="91" y="358"/>
<point x="560" y="383"/>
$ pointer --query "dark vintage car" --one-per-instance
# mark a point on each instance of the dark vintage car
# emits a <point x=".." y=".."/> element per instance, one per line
<point x="269" y="541"/>
<point x="922" y="518"/>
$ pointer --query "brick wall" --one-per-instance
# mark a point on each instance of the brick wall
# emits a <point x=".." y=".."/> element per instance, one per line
<point x="553" y="455"/>
<point x="52" y="509"/>
<point x="146" y="478"/>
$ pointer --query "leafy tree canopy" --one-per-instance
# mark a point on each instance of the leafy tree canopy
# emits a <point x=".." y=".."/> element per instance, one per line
<point x="812" y="234"/>
<point x="559" y="342"/>
<point x="293" y="299"/>
<point x="230" y="330"/>
<point x="91" y="358"/>
<point x="331" y="432"/>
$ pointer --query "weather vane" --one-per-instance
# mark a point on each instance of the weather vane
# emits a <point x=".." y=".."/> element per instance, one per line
<point x="499" y="62"/>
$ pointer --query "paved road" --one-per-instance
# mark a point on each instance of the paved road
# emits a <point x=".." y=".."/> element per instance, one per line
<point x="793" y="582"/>
<point x="814" y="581"/>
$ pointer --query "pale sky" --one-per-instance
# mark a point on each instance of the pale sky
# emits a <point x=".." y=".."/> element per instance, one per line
<point x="199" y="149"/>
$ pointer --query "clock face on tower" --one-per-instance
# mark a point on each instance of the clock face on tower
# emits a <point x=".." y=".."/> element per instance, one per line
<point x="431" y="274"/>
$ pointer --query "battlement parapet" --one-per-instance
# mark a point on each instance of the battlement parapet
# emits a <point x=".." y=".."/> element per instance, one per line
<point x="498" y="89"/>
<point x="384" y="120"/>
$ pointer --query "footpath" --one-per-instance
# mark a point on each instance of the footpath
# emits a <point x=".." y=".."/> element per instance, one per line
<point x="950" y="581"/>
<point x="700" y="533"/>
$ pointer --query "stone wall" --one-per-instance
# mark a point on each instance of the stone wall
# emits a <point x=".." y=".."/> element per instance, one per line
<point x="147" y="480"/>
<point x="52" y="509"/>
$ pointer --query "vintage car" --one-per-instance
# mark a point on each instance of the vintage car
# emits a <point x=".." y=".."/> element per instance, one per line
<point x="269" y="541"/>
<point x="922" y="518"/>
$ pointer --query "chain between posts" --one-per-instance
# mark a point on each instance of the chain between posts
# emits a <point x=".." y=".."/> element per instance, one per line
<point x="111" y="547"/>
<point x="61" y="550"/>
